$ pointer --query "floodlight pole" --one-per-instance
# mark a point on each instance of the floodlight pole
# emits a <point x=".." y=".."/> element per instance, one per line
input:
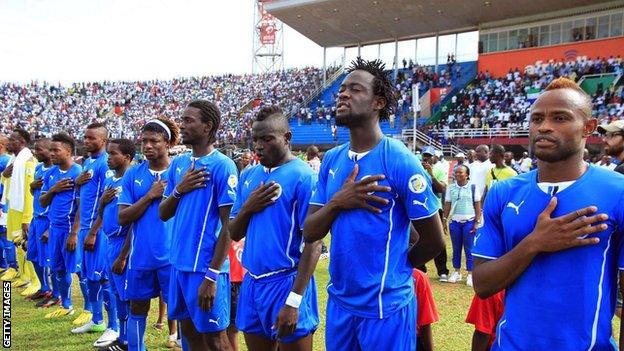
<point x="359" y="50"/>
<point x="396" y="59"/>
<point x="436" y="53"/>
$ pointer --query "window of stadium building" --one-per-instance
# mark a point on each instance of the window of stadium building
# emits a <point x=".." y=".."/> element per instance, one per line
<point x="589" y="27"/>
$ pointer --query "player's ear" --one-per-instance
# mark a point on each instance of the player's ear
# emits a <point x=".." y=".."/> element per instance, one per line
<point x="288" y="137"/>
<point x="379" y="103"/>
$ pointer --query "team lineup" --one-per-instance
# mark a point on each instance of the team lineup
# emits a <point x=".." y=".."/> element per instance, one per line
<point x="163" y="228"/>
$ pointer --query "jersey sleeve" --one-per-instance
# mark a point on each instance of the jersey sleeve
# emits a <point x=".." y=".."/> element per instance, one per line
<point x="226" y="182"/>
<point x="27" y="213"/>
<point x="127" y="194"/>
<point x="485" y="313"/>
<point x="171" y="178"/>
<point x="239" y="201"/>
<point x="489" y="241"/>
<point x="414" y="187"/>
<point x="304" y="194"/>
<point x="318" y="196"/>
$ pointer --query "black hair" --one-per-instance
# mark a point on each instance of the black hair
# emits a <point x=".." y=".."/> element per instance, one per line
<point x="24" y="134"/>
<point x="498" y="149"/>
<point x="382" y="86"/>
<point x="466" y="167"/>
<point x="43" y="140"/>
<point x="125" y="146"/>
<point x="96" y="125"/>
<point x="173" y="128"/>
<point x="65" y="139"/>
<point x="267" y="112"/>
<point x="209" y="112"/>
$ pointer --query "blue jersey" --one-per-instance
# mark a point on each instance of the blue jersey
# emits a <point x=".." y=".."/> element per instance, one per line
<point x="91" y="191"/>
<point x="563" y="300"/>
<point x="370" y="275"/>
<point x="273" y="240"/>
<point x="110" y="222"/>
<point x="62" y="208"/>
<point x="151" y="237"/>
<point x="41" y="172"/>
<point x="196" y="223"/>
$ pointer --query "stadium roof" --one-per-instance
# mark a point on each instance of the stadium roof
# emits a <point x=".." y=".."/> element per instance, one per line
<point x="352" y="22"/>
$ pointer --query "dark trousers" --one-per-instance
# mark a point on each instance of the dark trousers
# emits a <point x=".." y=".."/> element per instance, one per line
<point x="440" y="262"/>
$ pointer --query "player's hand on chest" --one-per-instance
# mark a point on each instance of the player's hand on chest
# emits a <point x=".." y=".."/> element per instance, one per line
<point x="371" y="192"/>
<point x="192" y="177"/>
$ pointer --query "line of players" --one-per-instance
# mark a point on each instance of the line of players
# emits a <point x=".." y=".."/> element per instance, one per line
<point x="371" y="193"/>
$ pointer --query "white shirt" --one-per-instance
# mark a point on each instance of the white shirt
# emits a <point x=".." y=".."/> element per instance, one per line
<point x="478" y="172"/>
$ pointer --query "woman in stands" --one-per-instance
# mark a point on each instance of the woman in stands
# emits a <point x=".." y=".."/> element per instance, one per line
<point x="462" y="206"/>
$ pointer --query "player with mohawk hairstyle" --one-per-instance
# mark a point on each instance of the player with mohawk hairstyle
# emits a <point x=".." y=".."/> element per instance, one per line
<point x="368" y="192"/>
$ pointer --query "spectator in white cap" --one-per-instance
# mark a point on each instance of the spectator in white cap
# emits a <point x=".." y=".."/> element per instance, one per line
<point x="613" y="139"/>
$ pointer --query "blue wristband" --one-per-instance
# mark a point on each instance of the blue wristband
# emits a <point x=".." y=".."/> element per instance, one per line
<point x="212" y="274"/>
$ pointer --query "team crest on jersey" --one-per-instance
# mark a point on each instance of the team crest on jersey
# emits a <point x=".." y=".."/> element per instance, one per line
<point x="109" y="173"/>
<point x="118" y="191"/>
<point x="417" y="183"/>
<point x="279" y="192"/>
<point x="232" y="181"/>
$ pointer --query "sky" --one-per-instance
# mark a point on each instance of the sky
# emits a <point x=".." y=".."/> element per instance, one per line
<point x="92" y="40"/>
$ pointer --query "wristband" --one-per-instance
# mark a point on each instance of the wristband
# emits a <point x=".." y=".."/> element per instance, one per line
<point x="212" y="274"/>
<point x="293" y="300"/>
<point x="176" y="194"/>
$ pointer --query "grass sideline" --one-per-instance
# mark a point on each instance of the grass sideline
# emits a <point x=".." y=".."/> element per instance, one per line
<point x="30" y="331"/>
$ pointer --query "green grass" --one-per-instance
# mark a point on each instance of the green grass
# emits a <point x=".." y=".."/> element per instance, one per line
<point x="32" y="332"/>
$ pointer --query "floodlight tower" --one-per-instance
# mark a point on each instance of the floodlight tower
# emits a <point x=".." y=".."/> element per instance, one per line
<point x="268" y="40"/>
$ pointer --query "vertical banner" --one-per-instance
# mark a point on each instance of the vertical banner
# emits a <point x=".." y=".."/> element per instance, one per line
<point x="267" y="25"/>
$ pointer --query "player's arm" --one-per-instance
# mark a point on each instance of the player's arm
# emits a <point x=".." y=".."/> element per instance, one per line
<point x="352" y="195"/>
<point x="120" y="262"/>
<point x="208" y="289"/>
<point x="258" y="200"/>
<point x="447" y="210"/>
<point x="63" y="185"/>
<point x="427" y="337"/>
<point x="480" y="341"/>
<point x="91" y="238"/>
<point x="130" y="213"/>
<point x="430" y="242"/>
<point x="550" y="235"/>
<point x="72" y="239"/>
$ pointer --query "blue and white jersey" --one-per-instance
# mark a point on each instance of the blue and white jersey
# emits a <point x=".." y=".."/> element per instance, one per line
<point x="41" y="172"/>
<point x="273" y="241"/>
<point x="196" y="223"/>
<point x="369" y="271"/>
<point x="564" y="300"/>
<point x="151" y="237"/>
<point x="62" y="208"/>
<point x="91" y="191"/>
<point x="110" y="218"/>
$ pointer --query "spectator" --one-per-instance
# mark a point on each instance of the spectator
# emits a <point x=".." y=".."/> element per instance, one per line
<point x="312" y="156"/>
<point x="613" y="139"/>
<point x="500" y="171"/>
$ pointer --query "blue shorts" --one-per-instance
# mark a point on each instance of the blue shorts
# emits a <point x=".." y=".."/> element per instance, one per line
<point x="60" y="258"/>
<point x="117" y="281"/>
<point x="146" y="284"/>
<point x="36" y="250"/>
<point x="183" y="302"/>
<point x="259" y="302"/>
<point x="94" y="262"/>
<point x="348" y="332"/>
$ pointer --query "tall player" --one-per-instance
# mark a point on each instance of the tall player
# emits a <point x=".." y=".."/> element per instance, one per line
<point x="368" y="192"/>
<point x="277" y="301"/>
<point x="60" y="193"/>
<point x="37" y="244"/>
<point x="142" y="189"/>
<point x="552" y="223"/>
<point x="91" y="183"/>
<point x="120" y="154"/>
<point x="9" y="261"/>
<point x="200" y="193"/>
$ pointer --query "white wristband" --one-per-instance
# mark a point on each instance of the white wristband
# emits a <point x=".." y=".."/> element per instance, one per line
<point x="293" y="300"/>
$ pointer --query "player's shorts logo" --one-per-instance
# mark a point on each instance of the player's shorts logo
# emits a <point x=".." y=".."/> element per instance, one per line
<point x="278" y="192"/>
<point x="232" y="181"/>
<point x="417" y="183"/>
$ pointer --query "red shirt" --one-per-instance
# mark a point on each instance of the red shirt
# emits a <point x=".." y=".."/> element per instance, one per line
<point x="427" y="311"/>
<point x="485" y="314"/>
<point x="236" y="268"/>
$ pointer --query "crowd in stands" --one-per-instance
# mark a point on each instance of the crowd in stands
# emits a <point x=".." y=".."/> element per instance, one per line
<point x="45" y="108"/>
<point x="504" y="102"/>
